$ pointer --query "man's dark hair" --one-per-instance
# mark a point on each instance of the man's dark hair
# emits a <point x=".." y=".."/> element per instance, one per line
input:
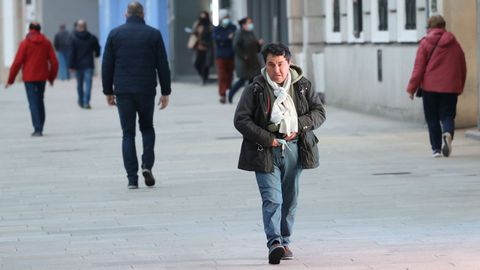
<point x="243" y="21"/>
<point x="135" y="9"/>
<point x="276" y="49"/>
<point x="35" y="26"/>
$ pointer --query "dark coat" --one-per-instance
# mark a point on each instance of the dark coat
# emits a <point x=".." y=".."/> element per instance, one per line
<point x="83" y="50"/>
<point x="134" y="56"/>
<point x="246" y="47"/>
<point x="223" y="43"/>
<point x="62" y="42"/>
<point x="253" y="116"/>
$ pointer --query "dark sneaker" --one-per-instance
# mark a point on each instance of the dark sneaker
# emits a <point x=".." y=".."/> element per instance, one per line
<point x="149" y="179"/>
<point x="132" y="186"/>
<point x="275" y="253"/>
<point x="88" y="107"/>
<point x="223" y="100"/>
<point x="288" y="255"/>
<point x="447" y="144"/>
<point x="436" y="154"/>
<point x="37" y="134"/>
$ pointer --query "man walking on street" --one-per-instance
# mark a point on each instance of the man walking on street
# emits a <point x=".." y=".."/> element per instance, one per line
<point x="62" y="43"/>
<point x="84" y="48"/>
<point x="134" y="56"/>
<point x="276" y="115"/>
<point x="39" y="64"/>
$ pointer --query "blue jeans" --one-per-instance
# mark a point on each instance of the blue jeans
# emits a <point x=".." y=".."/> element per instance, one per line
<point x="84" y="75"/>
<point x="440" y="111"/>
<point x="279" y="191"/>
<point x="129" y="105"/>
<point x="236" y="86"/>
<point x="63" y="71"/>
<point x="35" y="94"/>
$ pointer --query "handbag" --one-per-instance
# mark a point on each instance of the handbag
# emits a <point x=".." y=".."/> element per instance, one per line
<point x="192" y="41"/>
<point x="419" y="91"/>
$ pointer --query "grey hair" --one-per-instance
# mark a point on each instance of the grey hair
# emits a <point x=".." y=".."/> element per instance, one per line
<point x="135" y="9"/>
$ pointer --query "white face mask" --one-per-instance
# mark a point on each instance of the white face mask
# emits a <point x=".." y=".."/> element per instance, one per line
<point x="225" y="21"/>
<point x="250" y="27"/>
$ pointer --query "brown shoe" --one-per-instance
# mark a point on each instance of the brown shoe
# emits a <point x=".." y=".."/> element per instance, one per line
<point x="288" y="255"/>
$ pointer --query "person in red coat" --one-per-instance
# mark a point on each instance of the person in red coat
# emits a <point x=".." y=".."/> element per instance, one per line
<point x="39" y="64"/>
<point x="439" y="73"/>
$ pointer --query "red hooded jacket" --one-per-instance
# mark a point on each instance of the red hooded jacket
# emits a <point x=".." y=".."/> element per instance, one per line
<point x="37" y="59"/>
<point x="446" y="71"/>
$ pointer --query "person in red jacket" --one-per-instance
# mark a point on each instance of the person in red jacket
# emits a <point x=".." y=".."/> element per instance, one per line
<point x="440" y="72"/>
<point x="39" y="64"/>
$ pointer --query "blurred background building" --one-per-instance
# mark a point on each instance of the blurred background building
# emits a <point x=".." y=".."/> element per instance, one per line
<point x="358" y="53"/>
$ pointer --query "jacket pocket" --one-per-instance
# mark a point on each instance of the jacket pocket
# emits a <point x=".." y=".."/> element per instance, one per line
<point x="308" y="147"/>
<point x="255" y="157"/>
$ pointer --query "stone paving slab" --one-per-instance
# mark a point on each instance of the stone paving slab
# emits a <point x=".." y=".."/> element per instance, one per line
<point x="378" y="201"/>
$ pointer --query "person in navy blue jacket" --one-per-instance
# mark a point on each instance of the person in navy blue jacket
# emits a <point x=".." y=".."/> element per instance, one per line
<point x="223" y="38"/>
<point x="134" y="56"/>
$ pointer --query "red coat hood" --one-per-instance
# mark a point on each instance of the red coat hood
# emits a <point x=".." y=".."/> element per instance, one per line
<point x="35" y="37"/>
<point x="444" y="38"/>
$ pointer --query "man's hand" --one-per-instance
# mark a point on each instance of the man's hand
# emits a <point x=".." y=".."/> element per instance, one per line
<point x="7" y="85"/>
<point x="163" y="102"/>
<point x="291" y="137"/>
<point x="51" y="83"/>
<point x="275" y="143"/>
<point x="111" y="100"/>
<point x="411" y="96"/>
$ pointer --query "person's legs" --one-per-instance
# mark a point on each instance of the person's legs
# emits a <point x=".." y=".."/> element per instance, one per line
<point x="146" y="107"/>
<point x="128" y="113"/>
<point x="41" y="103"/>
<point x="222" y="76"/>
<point x="88" y="86"/>
<point x="236" y="86"/>
<point x="432" y="117"/>
<point x="200" y="63"/>
<point x="448" y="112"/>
<point x="32" y="97"/>
<point x="80" y="77"/>
<point x="62" y="64"/>
<point x="229" y="67"/>
<point x="290" y="187"/>
<point x="270" y="186"/>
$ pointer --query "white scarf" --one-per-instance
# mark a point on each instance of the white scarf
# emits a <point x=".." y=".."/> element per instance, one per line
<point x="284" y="112"/>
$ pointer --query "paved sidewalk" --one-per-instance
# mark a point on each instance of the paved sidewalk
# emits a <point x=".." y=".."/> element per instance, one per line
<point x="378" y="201"/>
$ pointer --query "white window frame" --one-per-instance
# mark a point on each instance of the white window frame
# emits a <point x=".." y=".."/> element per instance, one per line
<point x="8" y="31"/>
<point x="439" y="8"/>
<point x="351" y="37"/>
<point x="378" y="35"/>
<point x="332" y="37"/>
<point x="405" y="35"/>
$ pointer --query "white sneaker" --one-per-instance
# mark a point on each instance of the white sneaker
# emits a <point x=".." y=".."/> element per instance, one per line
<point x="436" y="154"/>
<point x="447" y="144"/>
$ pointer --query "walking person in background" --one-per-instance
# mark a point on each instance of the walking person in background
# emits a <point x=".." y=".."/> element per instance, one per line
<point x="276" y="115"/>
<point x="439" y="74"/>
<point x="202" y="29"/>
<point x="134" y="56"/>
<point x="223" y="38"/>
<point x="85" y="47"/>
<point x="247" y="47"/>
<point x="61" y="43"/>
<point x="39" y="64"/>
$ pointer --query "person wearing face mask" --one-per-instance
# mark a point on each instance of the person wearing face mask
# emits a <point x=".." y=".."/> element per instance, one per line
<point x="202" y="29"/>
<point x="223" y="40"/>
<point x="246" y="46"/>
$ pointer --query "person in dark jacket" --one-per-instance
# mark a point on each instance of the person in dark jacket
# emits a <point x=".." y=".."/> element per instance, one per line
<point x="223" y="38"/>
<point x="202" y="29"/>
<point x="440" y="70"/>
<point x="247" y="47"/>
<point x="276" y="115"/>
<point x="39" y="64"/>
<point x="85" y="47"/>
<point x="134" y="56"/>
<point x="62" y="45"/>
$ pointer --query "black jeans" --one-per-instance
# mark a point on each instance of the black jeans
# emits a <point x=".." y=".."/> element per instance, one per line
<point x="35" y="95"/>
<point x="440" y="111"/>
<point x="202" y="65"/>
<point x="129" y="105"/>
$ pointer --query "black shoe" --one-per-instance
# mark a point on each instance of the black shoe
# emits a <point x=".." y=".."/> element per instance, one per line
<point x="80" y="105"/>
<point x="37" y="134"/>
<point x="88" y="107"/>
<point x="447" y="144"/>
<point x="132" y="184"/>
<point x="275" y="253"/>
<point x="149" y="179"/>
<point x="288" y="255"/>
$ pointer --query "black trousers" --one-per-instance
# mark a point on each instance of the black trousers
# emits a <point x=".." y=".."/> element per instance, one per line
<point x="440" y="110"/>
<point x="202" y="65"/>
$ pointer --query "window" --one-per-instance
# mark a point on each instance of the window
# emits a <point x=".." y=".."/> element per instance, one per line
<point x="383" y="15"/>
<point x="336" y="15"/>
<point x="357" y="18"/>
<point x="411" y="15"/>
<point x="434" y="6"/>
